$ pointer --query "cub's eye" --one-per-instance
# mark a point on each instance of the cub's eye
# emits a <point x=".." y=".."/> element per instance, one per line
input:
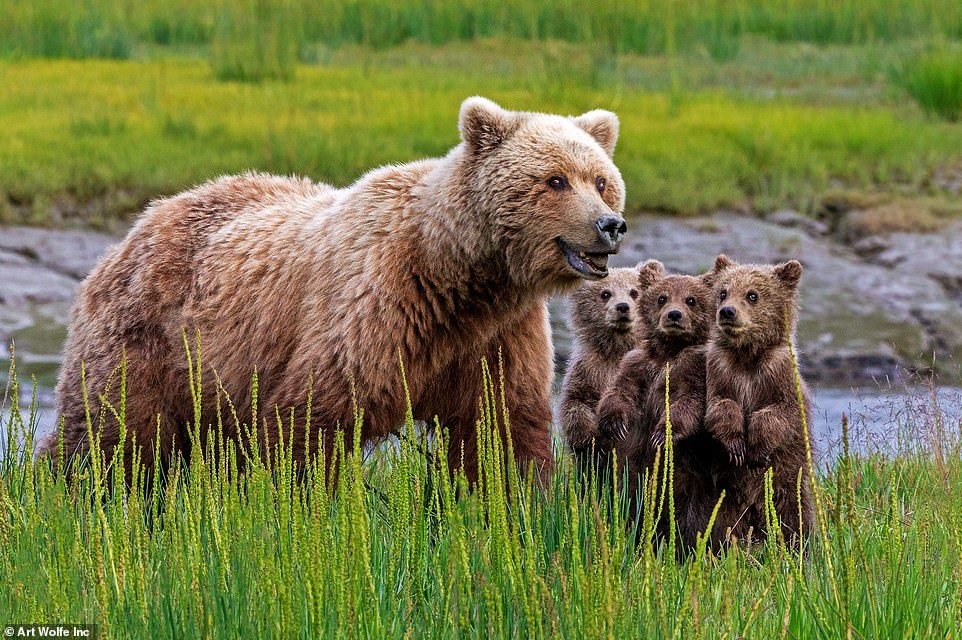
<point x="752" y="297"/>
<point x="601" y="183"/>
<point x="690" y="301"/>
<point x="634" y="294"/>
<point x="605" y="294"/>
<point x="722" y="295"/>
<point x="558" y="183"/>
<point x="662" y="299"/>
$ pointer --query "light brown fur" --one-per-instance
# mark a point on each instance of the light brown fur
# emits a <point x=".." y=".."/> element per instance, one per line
<point x="439" y="263"/>
<point x="753" y="408"/>
<point x="604" y="320"/>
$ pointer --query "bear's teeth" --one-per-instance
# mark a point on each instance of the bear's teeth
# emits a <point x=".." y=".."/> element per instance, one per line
<point x="581" y="254"/>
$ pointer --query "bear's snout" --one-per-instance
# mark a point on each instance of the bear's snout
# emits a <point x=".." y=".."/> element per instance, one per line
<point x="674" y="316"/>
<point x="611" y="229"/>
<point x="727" y="314"/>
<point x="623" y="308"/>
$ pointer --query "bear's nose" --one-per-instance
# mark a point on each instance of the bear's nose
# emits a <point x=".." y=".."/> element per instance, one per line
<point x="611" y="229"/>
<point x="622" y="307"/>
<point x="674" y="315"/>
<point x="726" y="313"/>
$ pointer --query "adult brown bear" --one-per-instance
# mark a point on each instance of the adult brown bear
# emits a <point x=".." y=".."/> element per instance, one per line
<point x="440" y="261"/>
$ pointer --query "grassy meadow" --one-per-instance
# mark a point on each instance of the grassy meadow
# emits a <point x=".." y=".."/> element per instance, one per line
<point x="749" y="105"/>
<point x="743" y="105"/>
<point x="395" y="547"/>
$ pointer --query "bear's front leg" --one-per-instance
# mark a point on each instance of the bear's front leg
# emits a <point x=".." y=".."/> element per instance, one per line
<point x="686" y="414"/>
<point x="528" y="357"/>
<point x="726" y="422"/>
<point x="620" y="404"/>
<point x="769" y="428"/>
<point x="579" y="424"/>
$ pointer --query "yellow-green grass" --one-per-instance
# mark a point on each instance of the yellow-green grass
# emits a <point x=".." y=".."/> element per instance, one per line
<point x="95" y="139"/>
<point x="401" y="550"/>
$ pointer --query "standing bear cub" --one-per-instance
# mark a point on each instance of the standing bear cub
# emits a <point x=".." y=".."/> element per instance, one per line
<point x="437" y="264"/>
<point x="677" y="314"/>
<point x="753" y="408"/>
<point x="604" y="321"/>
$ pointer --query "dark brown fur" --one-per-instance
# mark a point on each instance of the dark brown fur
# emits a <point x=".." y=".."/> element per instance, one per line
<point x="753" y="408"/>
<point x="677" y="313"/>
<point x="604" y="332"/>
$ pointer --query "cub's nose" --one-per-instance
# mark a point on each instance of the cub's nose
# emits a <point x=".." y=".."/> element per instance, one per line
<point x="674" y="315"/>
<point x="611" y="229"/>
<point x="726" y="313"/>
<point x="622" y="307"/>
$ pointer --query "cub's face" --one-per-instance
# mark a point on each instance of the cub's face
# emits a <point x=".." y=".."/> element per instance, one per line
<point x="606" y="307"/>
<point x="675" y="307"/>
<point x="548" y="183"/>
<point x="755" y="301"/>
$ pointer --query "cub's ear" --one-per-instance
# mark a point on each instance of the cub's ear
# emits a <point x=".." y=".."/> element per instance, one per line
<point x="602" y="126"/>
<point x="484" y="125"/>
<point x="723" y="262"/>
<point x="650" y="272"/>
<point x="789" y="273"/>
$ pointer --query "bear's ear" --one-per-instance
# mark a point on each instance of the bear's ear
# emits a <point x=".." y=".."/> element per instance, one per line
<point x="650" y="272"/>
<point x="789" y="273"/>
<point x="484" y="125"/>
<point x="602" y="126"/>
<point x="723" y="262"/>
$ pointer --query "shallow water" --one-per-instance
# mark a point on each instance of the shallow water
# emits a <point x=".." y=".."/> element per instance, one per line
<point x="881" y="419"/>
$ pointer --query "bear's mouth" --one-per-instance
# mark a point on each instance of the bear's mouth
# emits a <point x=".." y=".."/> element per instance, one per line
<point x="731" y="327"/>
<point x="673" y="328"/>
<point x="590" y="264"/>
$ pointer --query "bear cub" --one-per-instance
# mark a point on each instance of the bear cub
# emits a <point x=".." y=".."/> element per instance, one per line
<point x="677" y="312"/>
<point x="604" y="323"/>
<point x="753" y="408"/>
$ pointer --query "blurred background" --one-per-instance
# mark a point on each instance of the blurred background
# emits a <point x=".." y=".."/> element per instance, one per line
<point x="826" y="131"/>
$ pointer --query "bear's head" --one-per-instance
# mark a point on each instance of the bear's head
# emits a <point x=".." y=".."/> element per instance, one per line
<point x="604" y="314"/>
<point x="548" y="191"/>
<point x="755" y="302"/>
<point x="675" y="309"/>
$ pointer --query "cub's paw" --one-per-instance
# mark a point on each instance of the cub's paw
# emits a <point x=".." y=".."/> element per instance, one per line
<point x="613" y="425"/>
<point x="762" y="459"/>
<point x="658" y="436"/>
<point x="735" y="446"/>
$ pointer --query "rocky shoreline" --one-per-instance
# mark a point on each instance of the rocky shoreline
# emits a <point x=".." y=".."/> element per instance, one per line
<point x="871" y="310"/>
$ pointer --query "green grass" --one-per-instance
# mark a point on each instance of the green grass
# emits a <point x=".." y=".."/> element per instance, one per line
<point x="91" y="141"/>
<point x="398" y="548"/>
<point x="935" y="81"/>
<point x="115" y="28"/>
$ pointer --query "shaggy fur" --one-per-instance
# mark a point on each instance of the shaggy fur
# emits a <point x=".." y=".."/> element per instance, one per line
<point x="604" y="321"/>
<point x="677" y="314"/>
<point x="437" y="263"/>
<point x="753" y="408"/>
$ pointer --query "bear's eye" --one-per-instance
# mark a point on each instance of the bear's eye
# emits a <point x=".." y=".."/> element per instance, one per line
<point x="662" y="299"/>
<point x="605" y="294"/>
<point x="752" y="297"/>
<point x="690" y="301"/>
<point x="557" y="182"/>
<point x="634" y="294"/>
<point x="601" y="183"/>
<point x="723" y="295"/>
